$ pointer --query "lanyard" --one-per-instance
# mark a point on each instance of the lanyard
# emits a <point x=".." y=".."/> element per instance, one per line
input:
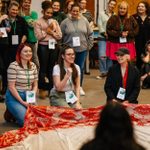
<point x="121" y="24"/>
<point x="28" y="77"/>
<point x="125" y="78"/>
<point x="14" y="26"/>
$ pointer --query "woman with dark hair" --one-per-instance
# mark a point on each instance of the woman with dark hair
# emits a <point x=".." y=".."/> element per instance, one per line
<point x="48" y="32"/>
<point x="66" y="77"/>
<point x="77" y="34"/>
<point x="114" y="130"/>
<point x="143" y="19"/>
<point x="57" y="14"/>
<point x="22" y="81"/>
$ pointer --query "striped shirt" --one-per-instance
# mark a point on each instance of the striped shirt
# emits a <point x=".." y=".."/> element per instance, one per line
<point x="23" y="78"/>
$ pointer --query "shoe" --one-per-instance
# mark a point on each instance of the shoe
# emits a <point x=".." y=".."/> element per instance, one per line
<point x="87" y="73"/>
<point x="82" y="93"/>
<point x="98" y="77"/>
<point x="43" y="94"/>
<point x="8" y="116"/>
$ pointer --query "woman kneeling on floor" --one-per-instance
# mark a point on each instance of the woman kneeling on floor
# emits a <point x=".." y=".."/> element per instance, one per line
<point x="66" y="78"/>
<point x="22" y="84"/>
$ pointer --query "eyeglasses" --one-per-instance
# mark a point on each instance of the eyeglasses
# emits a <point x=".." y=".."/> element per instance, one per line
<point x="70" y="54"/>
<point x="120" y="55"/>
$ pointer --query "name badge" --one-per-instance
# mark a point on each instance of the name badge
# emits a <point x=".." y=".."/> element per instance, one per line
<point x="76" y="41"/>
<point x="121" y="93"/>
<point x="70" y="97"/>
<point x="51" y="43"/>
<point x="3" y="30"/>
<point x="123" y="40"/>
<point x="30" y="97"/>
<point x="15" y="40"/>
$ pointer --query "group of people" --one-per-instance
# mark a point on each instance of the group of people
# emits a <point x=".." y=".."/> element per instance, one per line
<point x="35" y="46"/>
<point x="57" y="63"/>
<point x="121" y="29"/>
<point x="50" y="53"/>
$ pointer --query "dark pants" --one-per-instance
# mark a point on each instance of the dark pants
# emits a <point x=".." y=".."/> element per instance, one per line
<point x="4" y="62"/>
<point x="47" y="59"/>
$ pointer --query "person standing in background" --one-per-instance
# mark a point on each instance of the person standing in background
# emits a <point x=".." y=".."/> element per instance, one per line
<point x="104" y="61"/>
<point x="19" y="32"/>
<point x="57" y="14"/>
<point x="121" y="30"/>
<point x="4" y="51"/>
<point x="88" y="15"/>
<point x="47" y="31"/>
<point x="77" y="34"/>
<point x="67" y="8"/>
<point x="30" y="17"/>
<point x="143" y="19"/>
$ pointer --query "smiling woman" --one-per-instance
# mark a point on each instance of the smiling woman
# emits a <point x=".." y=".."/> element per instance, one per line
<point x="123" y="80"/>
<point x="22" y="79"/>
<point x="66" y="77"/>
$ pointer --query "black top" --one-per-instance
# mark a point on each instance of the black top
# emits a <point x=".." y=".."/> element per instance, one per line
<point x="114" y="82"/>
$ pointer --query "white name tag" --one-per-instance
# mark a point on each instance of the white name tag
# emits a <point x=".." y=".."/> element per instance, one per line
<point x="70" y="97"/>
<point x="123" y="40"/>
<point x="51" y="43"/>
<point x="3" y="30"/>
<point x="30" y="97"/>
<point x="15" y="40"/>
<point x="121" y="93"/>
<point x="76" y="41"/>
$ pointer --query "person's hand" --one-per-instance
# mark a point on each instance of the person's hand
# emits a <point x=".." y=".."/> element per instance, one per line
<point x="124" y="34"/>
<point x="114" y="100"/>
<point x="69" y="71"/>
<point x="125" y="103"/>
<point x="78" y="105"/>
<point x="1" y="34"/>
<point x="25" y="104"/>
<point x="3" y="17"/>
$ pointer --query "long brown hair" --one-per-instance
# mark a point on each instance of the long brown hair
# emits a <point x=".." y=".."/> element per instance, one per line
<point x="63" y="49"/>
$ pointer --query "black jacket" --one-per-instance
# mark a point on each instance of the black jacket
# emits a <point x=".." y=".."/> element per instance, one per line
<point x="114" y="82"/>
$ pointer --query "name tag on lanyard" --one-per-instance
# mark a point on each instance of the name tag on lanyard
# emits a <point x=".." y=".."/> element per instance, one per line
<point x="15" y="39"/>
<point x="76" y="41"/>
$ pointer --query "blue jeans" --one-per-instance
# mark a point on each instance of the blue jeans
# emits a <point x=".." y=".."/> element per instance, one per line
<point x="80" y="60"/>
<point x="15" y="107"/>
<point x="104" y="62"/>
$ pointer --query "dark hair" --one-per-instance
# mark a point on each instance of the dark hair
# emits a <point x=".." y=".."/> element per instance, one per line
<point x="75" y="5"/>
<point x="18" y="58"/>
<point x="55" y="1"/>
<point x="146" y="6"/>
<point x="114" y="130"/>
<point x="46" y="5"/>
<point x="63" y="49"/>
